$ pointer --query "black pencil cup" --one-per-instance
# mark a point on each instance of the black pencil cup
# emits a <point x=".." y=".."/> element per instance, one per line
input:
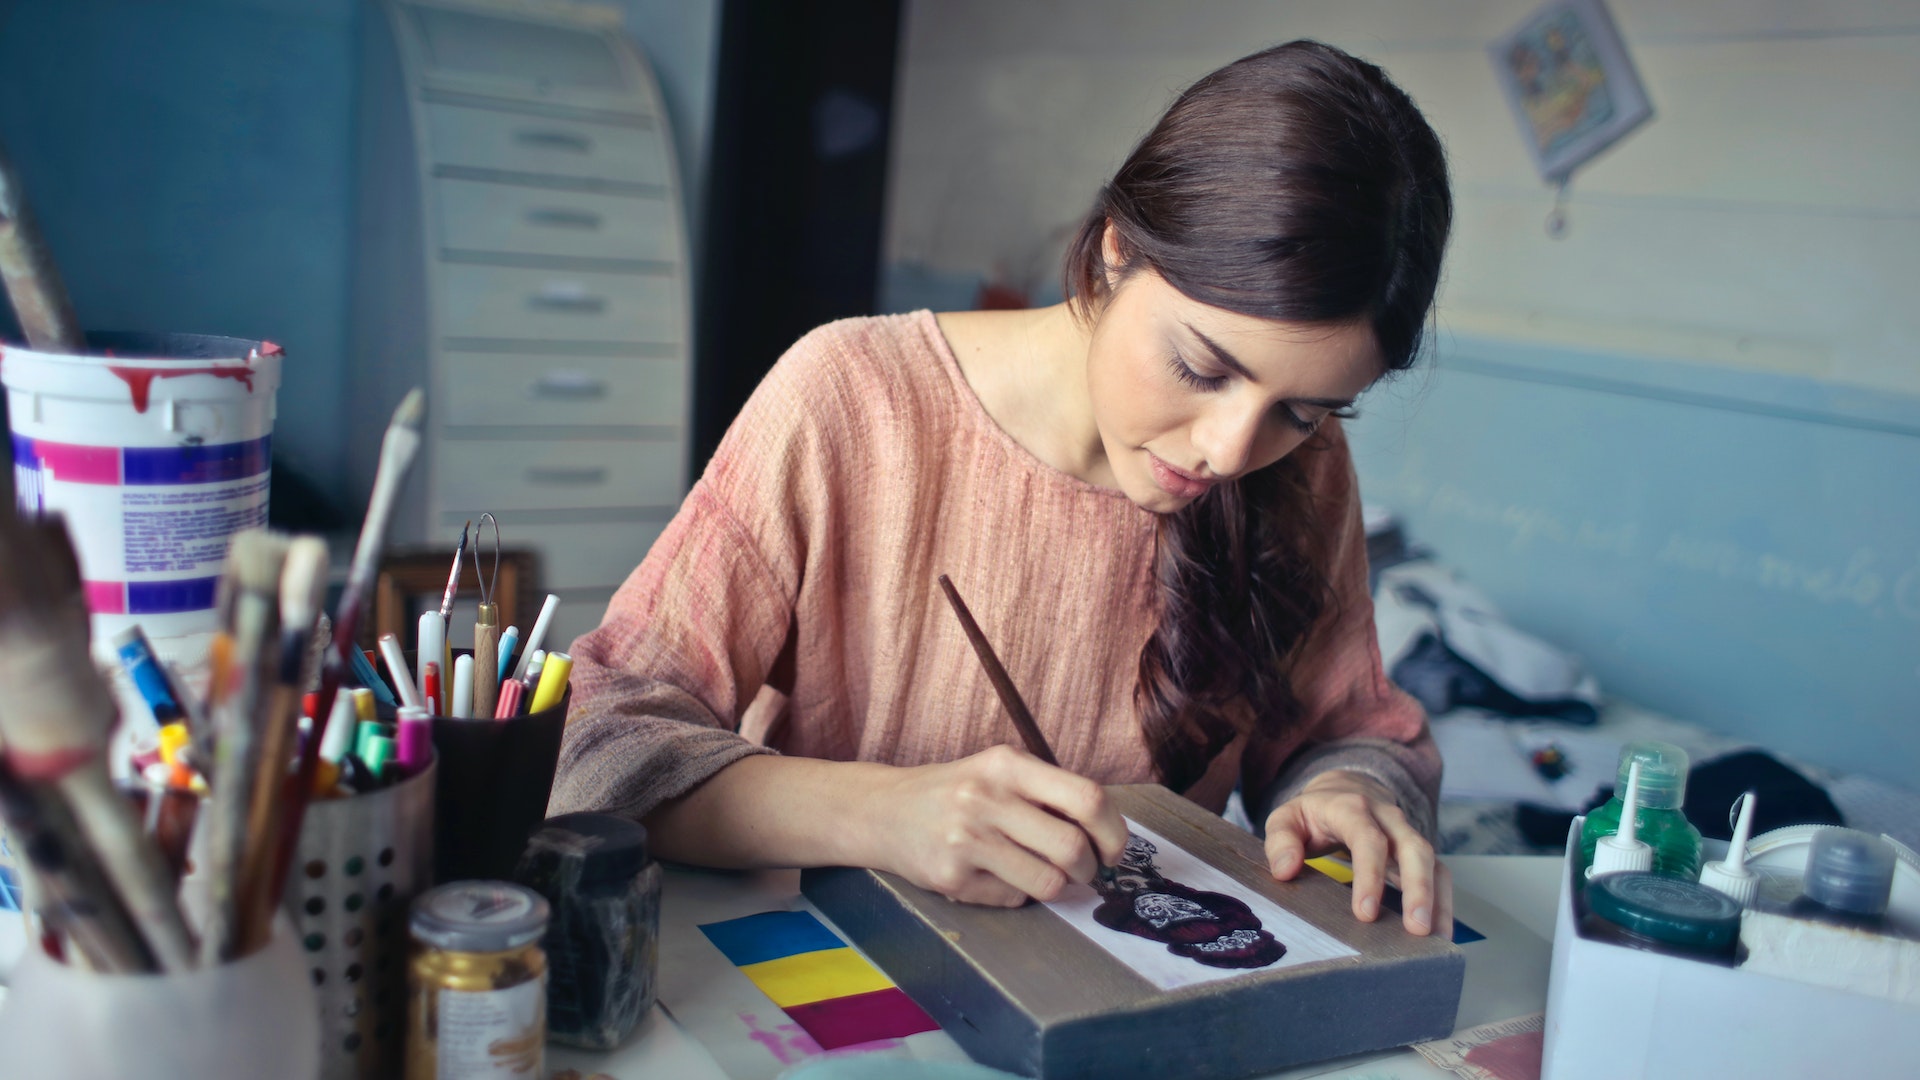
<point x="495" y="777"/>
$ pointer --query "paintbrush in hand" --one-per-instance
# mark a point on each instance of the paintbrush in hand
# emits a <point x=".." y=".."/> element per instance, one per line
<point x="1016" y="707"/>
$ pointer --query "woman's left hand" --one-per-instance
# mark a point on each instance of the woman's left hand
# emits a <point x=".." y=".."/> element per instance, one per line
<point x="1346" y="809"/>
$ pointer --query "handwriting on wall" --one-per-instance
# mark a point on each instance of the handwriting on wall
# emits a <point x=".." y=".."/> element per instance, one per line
<point x="1879" y="584"/>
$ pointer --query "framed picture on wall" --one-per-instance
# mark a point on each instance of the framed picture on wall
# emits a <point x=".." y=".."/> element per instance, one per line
<point x="1571" y="85"/>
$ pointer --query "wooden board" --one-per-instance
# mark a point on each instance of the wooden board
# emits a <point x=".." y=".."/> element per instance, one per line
<point x="1024" y="990"/>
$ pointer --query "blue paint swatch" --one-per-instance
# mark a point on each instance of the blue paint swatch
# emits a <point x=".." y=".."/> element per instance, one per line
<point x="1462" y="933"/>
<point x="770" y="936"/>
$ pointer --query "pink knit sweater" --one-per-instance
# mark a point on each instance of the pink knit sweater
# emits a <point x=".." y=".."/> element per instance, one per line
<point x="862" y="469"/>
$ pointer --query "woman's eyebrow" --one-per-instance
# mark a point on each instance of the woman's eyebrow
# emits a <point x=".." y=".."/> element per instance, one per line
<point x="1232" y="364"/>
<point x="1226" y="358"/>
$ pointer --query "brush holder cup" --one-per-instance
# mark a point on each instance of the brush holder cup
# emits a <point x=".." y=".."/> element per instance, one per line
<point x="361" y="861"/>
<point x="495" y="777"/>
<point x="253" y="1017"/>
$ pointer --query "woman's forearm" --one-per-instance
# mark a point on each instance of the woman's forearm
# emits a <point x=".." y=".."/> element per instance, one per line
<point x="769" y="810"/>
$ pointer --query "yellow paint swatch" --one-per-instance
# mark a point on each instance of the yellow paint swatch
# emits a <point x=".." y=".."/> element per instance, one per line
<point x="1333" y="868"/>
<point x="808" y="977"/>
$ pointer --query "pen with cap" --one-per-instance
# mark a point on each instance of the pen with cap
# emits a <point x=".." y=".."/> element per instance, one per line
<point x="1016" y="707"/>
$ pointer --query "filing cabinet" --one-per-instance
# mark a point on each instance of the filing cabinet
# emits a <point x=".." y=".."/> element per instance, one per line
<point x="521" y="252"/>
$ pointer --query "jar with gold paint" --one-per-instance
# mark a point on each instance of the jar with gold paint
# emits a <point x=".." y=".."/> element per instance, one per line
<point x="477" y="983"/>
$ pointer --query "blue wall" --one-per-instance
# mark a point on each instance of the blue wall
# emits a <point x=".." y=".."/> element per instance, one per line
<point x="191" y="164"/>
<point x="1738" y="549"/>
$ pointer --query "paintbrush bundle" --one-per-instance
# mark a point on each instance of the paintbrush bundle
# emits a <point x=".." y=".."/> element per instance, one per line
<point x="99" y="879"/>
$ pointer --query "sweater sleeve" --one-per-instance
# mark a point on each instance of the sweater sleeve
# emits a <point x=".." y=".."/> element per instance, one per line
<point x="1353" y="717"/>
<point x="692" y="635"/>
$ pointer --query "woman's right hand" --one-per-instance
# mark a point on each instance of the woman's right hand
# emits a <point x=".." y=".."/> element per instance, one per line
<point x="995" y="828"/>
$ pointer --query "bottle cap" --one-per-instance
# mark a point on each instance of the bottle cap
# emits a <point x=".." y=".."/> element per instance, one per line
<point x="479" y="916"/>
<point x="1670" y="910"/>
<point x="1663" y="774"/>
<point x="1624" y="851"/>
<point x="1730" y="877"/>
<point x="1850" y="871"/>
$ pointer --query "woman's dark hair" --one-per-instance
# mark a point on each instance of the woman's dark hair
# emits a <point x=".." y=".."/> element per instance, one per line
<point x="1300" y="184"/>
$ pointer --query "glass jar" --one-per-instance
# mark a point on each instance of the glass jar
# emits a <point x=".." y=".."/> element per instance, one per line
<point x="477" y="983"/>
<point x="603" y="944"/>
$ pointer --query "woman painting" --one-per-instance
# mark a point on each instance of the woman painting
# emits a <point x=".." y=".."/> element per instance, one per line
<point x="1146" y="497"/>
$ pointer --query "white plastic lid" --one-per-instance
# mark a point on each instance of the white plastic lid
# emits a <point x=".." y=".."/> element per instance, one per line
<point x="1731" y="876"/>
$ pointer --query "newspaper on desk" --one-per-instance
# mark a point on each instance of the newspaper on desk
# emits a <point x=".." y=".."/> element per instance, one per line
<point x="1505" y="1050"/>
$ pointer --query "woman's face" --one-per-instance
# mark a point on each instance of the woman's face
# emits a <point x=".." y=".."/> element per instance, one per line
<point x="1186" y="395"/>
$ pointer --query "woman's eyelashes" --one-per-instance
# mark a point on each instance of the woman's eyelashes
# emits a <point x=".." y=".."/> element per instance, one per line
<point x="1308" y="427"/>
<point x="1185" y="373"/>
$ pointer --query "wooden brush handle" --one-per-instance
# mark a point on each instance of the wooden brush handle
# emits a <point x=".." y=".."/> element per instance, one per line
<point x="486" y="662"/>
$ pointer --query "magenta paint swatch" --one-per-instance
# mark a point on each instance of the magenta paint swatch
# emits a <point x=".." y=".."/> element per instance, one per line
<point x="862" y="1018"/>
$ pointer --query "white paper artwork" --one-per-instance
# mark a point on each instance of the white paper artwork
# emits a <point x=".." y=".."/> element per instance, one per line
<point x="1165" y="899"/>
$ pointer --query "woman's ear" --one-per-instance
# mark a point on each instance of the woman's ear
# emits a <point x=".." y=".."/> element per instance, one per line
<point x="1111" y="261"/>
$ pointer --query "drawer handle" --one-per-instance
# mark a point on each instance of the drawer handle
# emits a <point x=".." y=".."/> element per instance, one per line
<point x="566" y="141"/>
<point x="564" y="474"/>
<point x="560" y="218"/>
<point x="567" y="298"/>
<point x="570" y="386"/>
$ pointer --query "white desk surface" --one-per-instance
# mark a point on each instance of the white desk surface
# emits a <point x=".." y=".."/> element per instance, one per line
<point x="1489" y="889"/>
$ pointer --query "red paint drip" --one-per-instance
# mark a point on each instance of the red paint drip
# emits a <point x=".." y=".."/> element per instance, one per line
<point x="140" y="380"/>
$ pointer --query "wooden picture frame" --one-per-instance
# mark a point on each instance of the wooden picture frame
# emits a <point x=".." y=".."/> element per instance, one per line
<point x="413" y="581"/>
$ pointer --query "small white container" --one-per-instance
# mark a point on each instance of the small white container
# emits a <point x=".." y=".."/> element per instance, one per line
<point x="255" y="1017"/>
<point x="1614" y="1011"/>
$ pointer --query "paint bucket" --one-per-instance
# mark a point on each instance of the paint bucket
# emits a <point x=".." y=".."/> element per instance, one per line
<point x="155" y="451"/>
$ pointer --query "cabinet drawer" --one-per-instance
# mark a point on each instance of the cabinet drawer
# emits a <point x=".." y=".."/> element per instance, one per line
<point x="491" y="389"/>
<point x="472" y="477"/>
<point x="521" y="143"/>
<point x="559" y="305"/>
<point x="479" y="216"/>
<point x="588" y="556"/>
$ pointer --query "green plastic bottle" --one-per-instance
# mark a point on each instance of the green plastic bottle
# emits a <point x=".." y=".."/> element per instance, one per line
<point x="1660" y="823"/>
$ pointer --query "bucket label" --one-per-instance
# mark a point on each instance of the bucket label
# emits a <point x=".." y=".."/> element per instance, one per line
<point x="176" y="507"/>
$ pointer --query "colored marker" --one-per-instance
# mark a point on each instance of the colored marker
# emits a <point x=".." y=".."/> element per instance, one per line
<point x="509" y="639"/>
<point x="415" y="742"/>
<point x="553" y="681"/>
<point x="369" y="677"/>
<point x="462" y="706"/>
<point x="143" y="667"/>
<point x="511" y="693"/>
<point x="431" y="647"/>
<point x="430" y="690"/>
<point x="403" y="682"/>
<point x="539" y="636"/>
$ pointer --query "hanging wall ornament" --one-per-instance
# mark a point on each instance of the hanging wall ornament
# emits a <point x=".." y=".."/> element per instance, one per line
<point x="1573" y="90"/>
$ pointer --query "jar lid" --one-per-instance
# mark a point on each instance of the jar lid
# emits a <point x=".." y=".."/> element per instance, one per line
<point x="584" y="849"/>
<point x="1671" y="910"/>
<point x="479" y="916"/>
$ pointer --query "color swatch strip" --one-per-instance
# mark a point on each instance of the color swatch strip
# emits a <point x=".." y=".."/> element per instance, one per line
<point x="832" y="992"/>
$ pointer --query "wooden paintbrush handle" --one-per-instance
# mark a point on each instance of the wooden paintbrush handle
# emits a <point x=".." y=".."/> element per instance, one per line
<point x="997" y="675"/>
<point x="486" y="663"/>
